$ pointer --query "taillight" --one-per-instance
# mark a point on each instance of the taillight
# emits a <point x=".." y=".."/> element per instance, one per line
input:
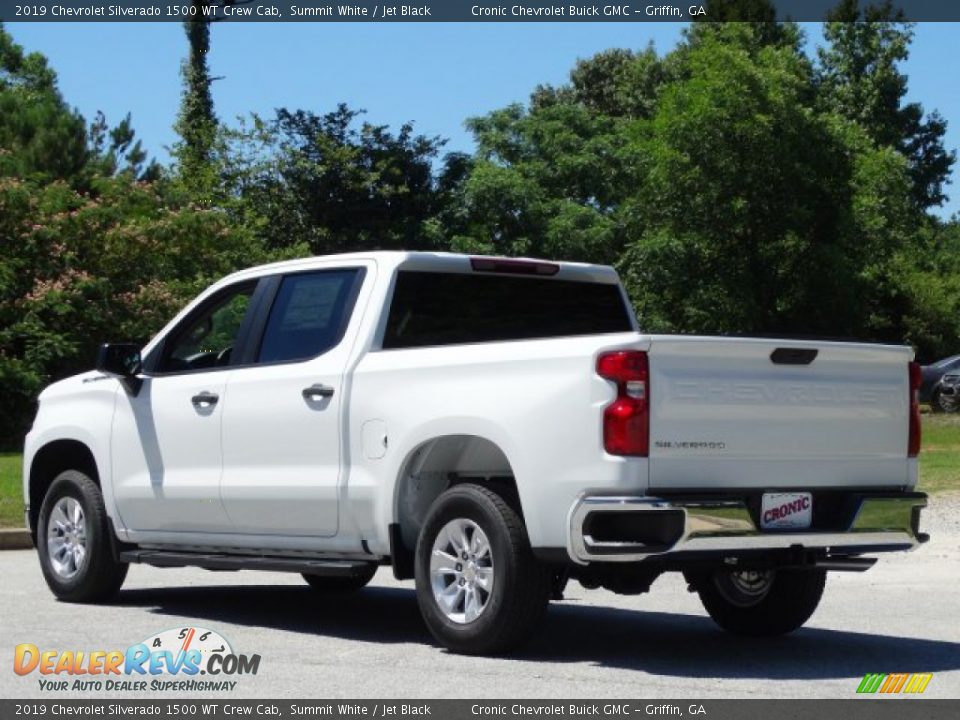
<point x="913" y="440"/>
<point x="626" y="421"/>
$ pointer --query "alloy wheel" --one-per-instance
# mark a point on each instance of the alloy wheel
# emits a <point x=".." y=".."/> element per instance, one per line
<point x="461" y="570"/>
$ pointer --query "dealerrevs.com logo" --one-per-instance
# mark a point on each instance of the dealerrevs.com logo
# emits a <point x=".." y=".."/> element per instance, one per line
<point x="186" y="659"/>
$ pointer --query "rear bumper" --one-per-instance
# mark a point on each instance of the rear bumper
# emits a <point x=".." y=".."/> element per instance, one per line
<point x="631" y="529"/>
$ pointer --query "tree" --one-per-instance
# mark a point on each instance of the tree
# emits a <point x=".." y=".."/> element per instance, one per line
<point x="95" y="245"/>
<point x="114" y="263"/>
<point x="196" y="121"/>
<point x="117" y="150"/>
<point x="759" y="15"/>
<point x="859" y="78"/>
<point x="724" y="243"/>
<point x="930" y="278"/>
<point x="545" y="182"/>
<point x="730" y="198"/>
<point x="616" y="82"/>
<point x="333" y="184"/>
<point x="44" y="139"/>
<point x="39" y="134"/>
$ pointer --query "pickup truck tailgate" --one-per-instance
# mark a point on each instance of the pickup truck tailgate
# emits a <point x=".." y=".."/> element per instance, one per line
<point x="730" y="413"/>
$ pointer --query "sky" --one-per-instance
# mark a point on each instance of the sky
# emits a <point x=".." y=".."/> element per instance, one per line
<point x="433" y="74"/>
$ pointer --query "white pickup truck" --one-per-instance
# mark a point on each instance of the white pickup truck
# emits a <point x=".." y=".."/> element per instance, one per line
<point x="490" y="427"/>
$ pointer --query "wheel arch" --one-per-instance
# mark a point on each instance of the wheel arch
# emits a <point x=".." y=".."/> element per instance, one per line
<point x="50" y="460"/>
<point x="432" y="467"/>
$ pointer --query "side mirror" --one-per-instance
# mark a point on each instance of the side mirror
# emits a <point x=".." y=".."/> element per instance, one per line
<point x="121" y="359"/>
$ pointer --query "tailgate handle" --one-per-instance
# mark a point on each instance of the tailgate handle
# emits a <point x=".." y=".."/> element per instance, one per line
<point x="793" y="356"/>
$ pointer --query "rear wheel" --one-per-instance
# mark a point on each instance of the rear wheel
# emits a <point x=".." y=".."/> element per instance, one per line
<point x="479" y="587"/>
<point x="352" y="583"/>
<point x="73" y="541"/>
<point x="760" y="603"/>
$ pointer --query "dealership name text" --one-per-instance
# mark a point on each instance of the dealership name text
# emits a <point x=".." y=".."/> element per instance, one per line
<point x="577" y="710"/>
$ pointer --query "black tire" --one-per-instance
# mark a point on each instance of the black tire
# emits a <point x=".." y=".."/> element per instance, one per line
<point x="945" y="403"/>
<point x="935" y="406"/>
<point x="790" y="600"/>
<point x="98" y="576"/>
<point x="327" y="584"/>
<point x="521" y="584"/>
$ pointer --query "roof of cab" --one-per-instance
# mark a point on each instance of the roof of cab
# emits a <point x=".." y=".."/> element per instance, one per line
<point x="427" y="262"/>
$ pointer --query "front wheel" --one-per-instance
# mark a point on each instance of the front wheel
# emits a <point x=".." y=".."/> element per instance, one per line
<point x="479" y="587"/>
<point x="945" y="403"/>
<point x="760" y="603"/>
<point x="73" y="540"/>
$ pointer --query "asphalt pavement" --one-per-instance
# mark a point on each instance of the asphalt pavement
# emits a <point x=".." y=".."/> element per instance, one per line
<point x="901" y="616"/>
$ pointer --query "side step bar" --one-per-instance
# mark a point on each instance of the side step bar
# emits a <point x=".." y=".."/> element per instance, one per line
<point x="844" y="564"/>
<point x="224" y="561"/>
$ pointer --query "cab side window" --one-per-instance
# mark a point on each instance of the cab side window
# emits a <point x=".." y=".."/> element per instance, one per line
<point x="206" y="340"/>
<point x="309" y="315"/>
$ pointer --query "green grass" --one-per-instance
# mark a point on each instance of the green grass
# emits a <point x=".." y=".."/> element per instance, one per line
<point x="11" y="493"/>
<point x="939" y="467"/>
<point x="940" y="457"/>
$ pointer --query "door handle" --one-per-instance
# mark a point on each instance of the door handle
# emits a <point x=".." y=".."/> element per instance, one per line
<point x="317" y="391"/>
<point x="205" y="400"/>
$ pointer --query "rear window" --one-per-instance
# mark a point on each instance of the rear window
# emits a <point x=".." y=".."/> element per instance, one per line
<point x="449" y="309"/>
<point x="309" y="315"/>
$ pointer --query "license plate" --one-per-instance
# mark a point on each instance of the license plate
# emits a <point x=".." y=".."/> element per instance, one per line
<point x="786" y="511"/>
